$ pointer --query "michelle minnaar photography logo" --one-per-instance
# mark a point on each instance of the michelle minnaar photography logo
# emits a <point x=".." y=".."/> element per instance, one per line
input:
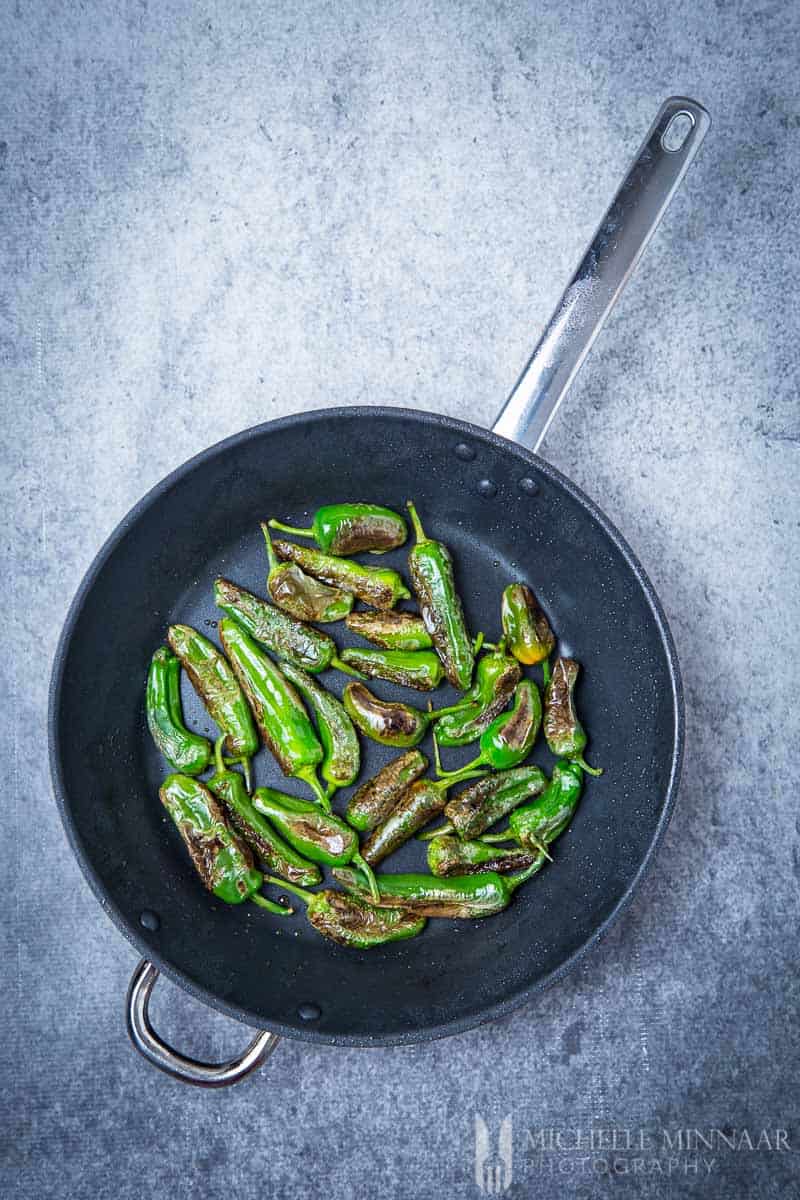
<point x="642" y="1151"/>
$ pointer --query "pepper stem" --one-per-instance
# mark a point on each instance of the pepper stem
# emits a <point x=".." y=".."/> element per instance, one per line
<point x="419" y="532"/>
<point x="515" y="880"/>
<point x="432" y="833"/>
<point x="278" y="909"/>
<point x="219" y="765"/>
<point x="546" y="671"/>
<point x="303" y="893"/>
<point x="505" y="835"/>
<point x="345" y="668"/>
<point x="465" y="772"/>
<point x="374" y="890"/>
<point x="271" y="555"/>
<point x="273" y="524"/>
<point x="477" y="643"/>
<point x="539" y="845"/>
<point x="309" y="776"/>
<point x="584" y="766"/>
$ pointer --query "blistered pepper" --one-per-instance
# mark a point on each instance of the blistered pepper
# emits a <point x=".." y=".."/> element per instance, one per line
<point x="184" y="751"/>
<point x="351" y="528"/>
<point x="423" y="801"/>
<point x="530" y="638"/>
<point x="539" y="823"/>
<point x="352" y="922"/>
<point x="379" y="586"/>
<point x="496" y="677"/>
<point x="301" y="595"/>
<point x="477" y="808"/>
<point x="453" y="856"/>
<point x="431" y="570"/>
<point x="391" y="724"/>
<point x="216" y="684"/>
<point x="376" y="798"/>
<point x="391" y="630"/>
<point x="420" y="669"/>
<point x="341" y="752"/>
<point x="564" y="734"/>
<point x="509" y="739"/>
<point x="456" y="896"/>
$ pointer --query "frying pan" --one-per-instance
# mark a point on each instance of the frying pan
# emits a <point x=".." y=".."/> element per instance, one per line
<point x="506" y="514"/>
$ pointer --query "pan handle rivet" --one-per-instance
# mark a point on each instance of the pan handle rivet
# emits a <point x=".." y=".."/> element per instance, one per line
<point x="464" y="452"/>
<point x="309" y="1012"/>
<point x="529" y="486"/>
<point x="487" y="489"/>
<point x="149" y="920"/>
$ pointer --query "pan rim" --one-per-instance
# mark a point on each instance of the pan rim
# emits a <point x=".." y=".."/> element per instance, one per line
<point x="136" y="937"/>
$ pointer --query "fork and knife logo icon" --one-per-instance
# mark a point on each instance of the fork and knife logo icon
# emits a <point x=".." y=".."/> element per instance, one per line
<point x="493" y="1165"/>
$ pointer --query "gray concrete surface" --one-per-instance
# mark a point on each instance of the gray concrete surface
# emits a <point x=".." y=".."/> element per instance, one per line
<point x="214" y="214"/>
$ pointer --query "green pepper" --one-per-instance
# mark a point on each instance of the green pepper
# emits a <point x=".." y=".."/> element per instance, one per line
<point x="320" y="836"/>
<point x="216" y="685"/>
<point x="376" y="798"/>
<point x="392" y="724"/>
<point x="352" y="922"/>
<point x="283" y="721"/>
<point x="420" y="669"/>
<point x="457" y="896"/>
<point x="301" y="595"/>
<point x="184" y="751"/>
<point x="390" y="630"/>
<point x="431" y="570"/>
<point x="341" y="752"/>
<point x="277" y="855"/>
<point x="222" y="860"/>
<point x="477" y="808"/>
<point x="541" y="822"/>
<point x="565" y="736"/>
<point x="351" y="528"/>
<point x="530" y="637"/>
<point x="452" y="856"/>
<point x="379" y="586"/>
<point x="423" y="801"/>
<point x="509" y="739"/>
<point x="496" y="677"/>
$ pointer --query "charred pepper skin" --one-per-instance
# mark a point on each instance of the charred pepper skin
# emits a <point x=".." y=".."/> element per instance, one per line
<point x="300" y="595"/>
<point x="376" y="798"/>
<point x="420" y="669"/>
<point x="352" y="528"/>
<point x="341" y="760"/>
<point x="277" y="855"/>
<point x="423" y="801"/>
<point x="496" y="677"/>
<point x="390" y="630"/>
<point x="390" y="724"/>
<point x="431" y="570"/>
<point x="538" y="824"/>
<point x="285" y="637"/>
<point x="478" y="807"/>
<point x="453" y="856"/>
<point x="379" y="586"/>
<point x="283" y="721"/>
<point x="217" y="686"/>
<point x="221" y="859"/>
<point x="466" y="896"/>
<point x="564" y="734"/>
<point x="509" y="739"/>
<point x="185" y="751"/>
<point x="317" y="835"/>
<point x="530" y="638"/>
<point x="352" y="922"/>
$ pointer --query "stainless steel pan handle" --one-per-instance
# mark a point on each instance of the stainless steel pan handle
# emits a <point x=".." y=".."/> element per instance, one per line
<point x="621" y="239"/>
<point x="619" y="243"/>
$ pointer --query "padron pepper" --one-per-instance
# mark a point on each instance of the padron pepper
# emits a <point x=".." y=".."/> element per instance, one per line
<point x="221" y="859"/>
<point x="184" y="751"/>
<point x="453" y="856"/>
<point x="278" y="856"/>
<point x="390" y="630"/>
<point x="282" y="635"/>
<point x="341" y="752"/>
<point x="379" y="586"/>
<point x="423" y="801"/>
<point x="477" y="807"/>
<point x="420" y="669"/>
<point x="509" y="739"/>
<point x="431" y="570"/>
<point x="391" y="724"/>
<point x="352" y="922"/>
<point x="496" y="677"/>
<point x="530" y="638"/>
<point x="376" y="798"/>
<point x="216" y="685"/>
<point x="351" y="528"/>
<point x="283" y="721"/>
<point x="317" y="835"/>
<point x="300" y="595"/>
<point x="456" y="896"/>
<point x="564" y="734"/>
<point x="539" y="823"/>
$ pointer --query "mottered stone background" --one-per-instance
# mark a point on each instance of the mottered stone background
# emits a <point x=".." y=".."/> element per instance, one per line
<point x="213" y="214"/>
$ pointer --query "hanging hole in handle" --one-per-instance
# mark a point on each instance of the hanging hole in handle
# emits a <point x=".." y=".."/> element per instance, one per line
<point x="678" y="130"/>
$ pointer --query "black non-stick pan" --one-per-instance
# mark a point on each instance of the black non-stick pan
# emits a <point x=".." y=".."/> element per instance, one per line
<point x="506" y="515"/>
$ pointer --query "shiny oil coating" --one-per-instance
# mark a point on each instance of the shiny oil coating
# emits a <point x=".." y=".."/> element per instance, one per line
<point x="341" y="752"/>
<point x="417" y="806"/>
<point x="184" y="751"/>
<point x="375" y="799"/>
<point x="317" y="835"/>
<point x="431" y="569"/>
<point x="466" y="896"/>
<point x="309" y="648"/>
<point x="476" y="808"/>
<point x="392" y="724"/>
<point x="449" y="855"/>
<point x="379" y="586"/>
<point x="216" y="684"/>
<point x="420" y="669"/>
<point x="391" y="630"/>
